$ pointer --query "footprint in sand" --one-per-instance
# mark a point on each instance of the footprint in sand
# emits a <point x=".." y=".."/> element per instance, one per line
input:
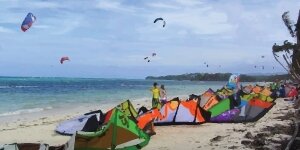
<point x="239" y="130"/>
<point x="248" y="135"/>
<point x="233" y="147"/>
<point x="217" y="138"/>
<point x="163" y="148"/>
<point x="246" y="142"/>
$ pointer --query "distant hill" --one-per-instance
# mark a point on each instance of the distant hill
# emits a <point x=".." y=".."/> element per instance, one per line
<point x="221" y="77"/>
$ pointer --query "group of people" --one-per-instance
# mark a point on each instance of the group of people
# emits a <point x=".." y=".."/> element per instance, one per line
<point x="286" y="89"/>
<point x="159" y="95"/>
<point x="291" y="93"/>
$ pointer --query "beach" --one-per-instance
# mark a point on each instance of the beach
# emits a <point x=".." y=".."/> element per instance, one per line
<point x="195" y="66"/>
<point x="271" y="131"/>
<point x="227" y="135"/>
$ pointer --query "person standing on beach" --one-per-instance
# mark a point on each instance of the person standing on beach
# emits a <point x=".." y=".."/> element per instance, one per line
<point x="155" y="96"/>
<point x="163" y="94"/>
<point x="282" y="91"/>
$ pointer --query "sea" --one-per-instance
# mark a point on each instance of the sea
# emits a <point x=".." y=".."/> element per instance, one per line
<point x="21" y="95"/>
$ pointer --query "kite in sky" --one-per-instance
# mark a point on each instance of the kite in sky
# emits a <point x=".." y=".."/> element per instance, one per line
<point x="160" y="19"/>
<point x="28" y="21"/>
<point x="64" y="59"/>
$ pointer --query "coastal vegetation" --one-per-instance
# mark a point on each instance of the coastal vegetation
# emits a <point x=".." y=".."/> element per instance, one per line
<point x="220" y="77"/>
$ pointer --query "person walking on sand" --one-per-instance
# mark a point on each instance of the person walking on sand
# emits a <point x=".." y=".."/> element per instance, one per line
<point x="155" y="96"/>
<point x="163" y="94"/>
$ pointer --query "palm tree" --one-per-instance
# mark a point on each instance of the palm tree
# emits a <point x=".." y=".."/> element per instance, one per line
<point x="290" y="51"/>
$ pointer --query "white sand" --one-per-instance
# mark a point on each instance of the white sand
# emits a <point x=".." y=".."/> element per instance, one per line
<point x="40" y="128"/>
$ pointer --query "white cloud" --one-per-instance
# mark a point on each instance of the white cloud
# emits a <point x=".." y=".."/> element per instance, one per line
<point x="67" y="26"/>
<point x="11" y="17"/>
<point x="182" y="32"/>
<point x="114" y="6"/>
<point x="278" y="36"/>
<point x="163" y="5"/>
<point x="64" y="23"/>
<point x="203" y="20"/>
<point x="189" y="2"/>
<point x="259" y="22"/>
<point x="42" y="4"/>
<point x="5" y="30"/>
<point x="42" y="26"/>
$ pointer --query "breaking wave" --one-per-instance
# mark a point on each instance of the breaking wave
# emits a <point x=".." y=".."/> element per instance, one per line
<point x="24" y="111"/>
<point x="18" y="86"/>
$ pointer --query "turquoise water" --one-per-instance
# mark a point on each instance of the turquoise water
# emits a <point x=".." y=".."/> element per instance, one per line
<point x="25" y="94"/>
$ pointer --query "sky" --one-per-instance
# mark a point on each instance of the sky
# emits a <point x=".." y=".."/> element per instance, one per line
<point x="110" y="38"/>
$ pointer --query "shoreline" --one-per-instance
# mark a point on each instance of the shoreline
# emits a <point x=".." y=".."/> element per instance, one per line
<point x="204" y="136"/>
<point x="72" y="108"/>
<point x="41" y="126"/>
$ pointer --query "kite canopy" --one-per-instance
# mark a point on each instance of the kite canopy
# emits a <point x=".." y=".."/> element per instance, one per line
<point x="30" y="146"/>
<point x="120" y="132"/>
<point x="88" y="122"/>
<point x="208" y="99"/>
<point x="247" y="111"/>
<point x="257" y="89"/>
<point x="224" y="92"/>
<point x="160" y="19"/>
<point x="182" y="112"/>
<point x="253" y="111"/>
<point x="247" y="89"/>
<point x="226" y="116"/>
<point x="28" y="21"/>
<point x="64" y="59"/>
<point x="222" y="106"/>
<point x="91" y="121"/>
<point x="147" y="118"/>
<point x="128" y="109"/>
<point x="246" y="105"/>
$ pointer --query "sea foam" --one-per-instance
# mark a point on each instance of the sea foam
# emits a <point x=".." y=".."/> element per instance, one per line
<point x="24" y="111"/>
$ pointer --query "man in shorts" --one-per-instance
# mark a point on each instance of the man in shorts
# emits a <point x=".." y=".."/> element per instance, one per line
<point x="155" y="96"/>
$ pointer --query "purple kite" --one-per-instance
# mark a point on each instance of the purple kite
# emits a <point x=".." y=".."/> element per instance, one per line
<point x="227" y="116"/>
<point x="64" y="59"/>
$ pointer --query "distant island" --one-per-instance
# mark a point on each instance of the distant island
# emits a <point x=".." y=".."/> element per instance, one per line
<point x="220" y="77"/>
